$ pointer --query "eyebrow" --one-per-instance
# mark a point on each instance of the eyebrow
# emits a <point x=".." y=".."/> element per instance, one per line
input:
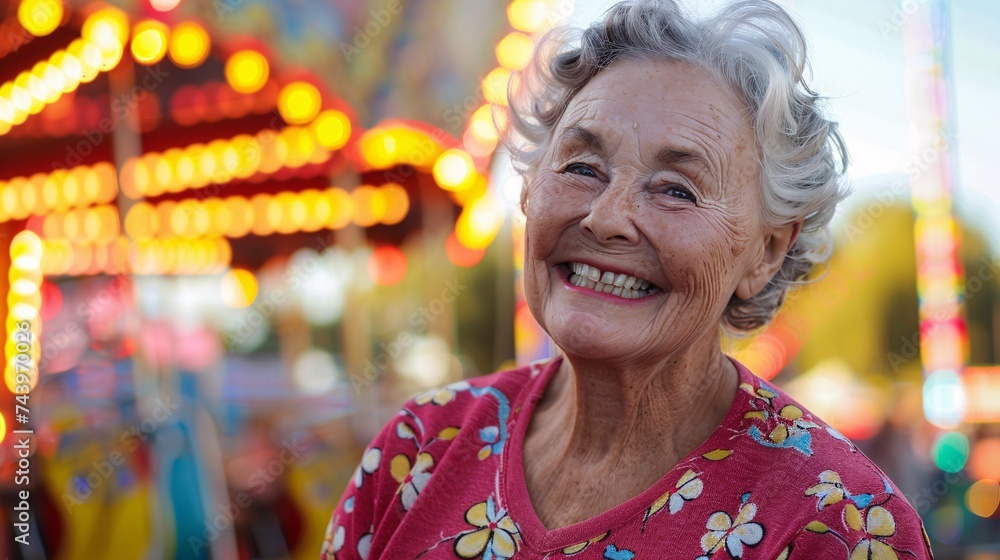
<point x="669" y="156"/>
<point x="666" y="157"/>
<point x="578" y="135"/>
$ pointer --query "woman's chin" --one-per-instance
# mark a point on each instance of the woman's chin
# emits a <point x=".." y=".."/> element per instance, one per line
<point x="591" y="338"/>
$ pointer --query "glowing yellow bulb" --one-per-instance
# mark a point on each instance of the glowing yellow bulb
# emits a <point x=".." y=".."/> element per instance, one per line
<point x="299" y="102"/>
<point x="527" y="15"/>
<point x="26" y="243"/>
<point x="149" y="42"/>
<point x="90" y="59"/>
<point x="481" y="124"/>
<point x="141" y="221"/>
<point x="495" y="86"/>
<point x="189" y="44"/>
<point x="72" y="70"/>
<point x="247" y="71"/>
<point x="7" y="110"/>
<point x="454" y="170"/>
<point x="108" y="30"/>
<point x="479" y="223"/>
<point x="514" y="50"/>
<point x="40" y="17"/>
<point x="104" y="24"/>
<point x="332" y="129"/>
<point x="54" y="78"/>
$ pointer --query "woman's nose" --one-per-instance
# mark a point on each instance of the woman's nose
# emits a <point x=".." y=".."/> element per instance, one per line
<point x="612" y="213"/>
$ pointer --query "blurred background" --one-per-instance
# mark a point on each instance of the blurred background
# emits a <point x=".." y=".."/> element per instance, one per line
<point x="239" y="233"/>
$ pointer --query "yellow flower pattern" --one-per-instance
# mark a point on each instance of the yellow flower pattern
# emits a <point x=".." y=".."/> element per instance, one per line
<point x="495" y="537"/>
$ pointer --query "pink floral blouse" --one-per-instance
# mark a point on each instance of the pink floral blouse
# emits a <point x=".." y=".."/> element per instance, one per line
<point x="445" y="480"/>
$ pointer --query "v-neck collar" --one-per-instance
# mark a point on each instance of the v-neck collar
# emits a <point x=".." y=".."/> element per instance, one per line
<point x="514" y="489"/>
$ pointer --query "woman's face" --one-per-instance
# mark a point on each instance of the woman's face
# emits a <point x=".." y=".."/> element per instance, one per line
<point x="643" y="217"/>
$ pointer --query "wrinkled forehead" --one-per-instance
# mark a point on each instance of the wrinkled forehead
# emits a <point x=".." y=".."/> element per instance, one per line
<point x="660" y="106"/>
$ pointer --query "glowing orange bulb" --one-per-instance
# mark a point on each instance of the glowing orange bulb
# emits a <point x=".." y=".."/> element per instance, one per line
<point x="387" y="265"/>
<point x="247" y="71"/>
<point x="397" y="204"/>
<point x="189" y="44"/>
<point x="370" y="205"/>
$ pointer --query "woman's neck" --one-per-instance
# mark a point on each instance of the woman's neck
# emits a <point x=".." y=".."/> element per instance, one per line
<point x="631" y="423"/>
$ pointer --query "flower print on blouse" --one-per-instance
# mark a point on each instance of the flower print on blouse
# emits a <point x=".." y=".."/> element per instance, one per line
<point x="444" y="480"/>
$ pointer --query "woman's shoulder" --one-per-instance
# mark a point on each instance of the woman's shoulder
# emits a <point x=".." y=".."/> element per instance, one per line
<point x="822" y="483"/>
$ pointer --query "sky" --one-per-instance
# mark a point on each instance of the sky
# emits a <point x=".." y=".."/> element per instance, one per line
<point x="857" y="56"/>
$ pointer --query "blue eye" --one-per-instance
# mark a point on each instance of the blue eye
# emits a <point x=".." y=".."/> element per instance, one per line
<point x="680" y="192"/>
<point x="580" y="169"/>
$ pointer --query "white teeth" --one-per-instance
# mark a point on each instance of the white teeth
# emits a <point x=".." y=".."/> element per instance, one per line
<point x="622" y="285"/>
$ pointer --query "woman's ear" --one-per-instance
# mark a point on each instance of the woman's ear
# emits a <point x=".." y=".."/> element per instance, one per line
<point x="777" y="243"/>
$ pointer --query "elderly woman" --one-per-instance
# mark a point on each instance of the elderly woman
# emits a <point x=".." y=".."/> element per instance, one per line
<point x="679" y="176"/>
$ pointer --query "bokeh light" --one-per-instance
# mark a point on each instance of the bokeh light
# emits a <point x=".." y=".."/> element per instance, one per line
<point x="299" y="102"/>
<point x="984" y="462"/>
<point x="454" y="170"/>
<point x="164" y="5"/>
<point x="149" y="42"/>
<point x="459" y="254"/>
<point x="387" y="265"/>
<point x="189" y="44"/>
<point x="247" y="71"/>
<point x="495" y="86"/>
<point x="40" y="17"/>
<point x="983" y="497"/>
<point x="944" y="399"/>
<point x="332" y="129"/>
<point x="527" y="15"/>
<point x="514" y="50"/>
<point x="238" y="288"/>
<point x="951" y="451"/>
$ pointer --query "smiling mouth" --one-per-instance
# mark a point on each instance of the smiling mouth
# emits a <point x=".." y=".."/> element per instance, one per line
<point x="621" y="285"/>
